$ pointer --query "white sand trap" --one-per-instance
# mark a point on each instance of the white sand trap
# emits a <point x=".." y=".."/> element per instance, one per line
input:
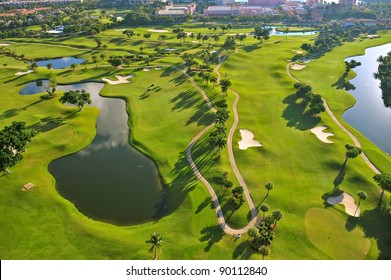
<point x="318" y="131"/>
<point x="121" y="79"/>
<point x="158" y="30"/>
<point x="120" y="30"/>
<point x="298" y="66"/>
<point x="20" y="73"/>
<point x="247" y="140"/>
<point x="4" y="45"/>
<point x="146" y="69"/>
<point x="158" y="68"/>
<point x="348" y="201"/>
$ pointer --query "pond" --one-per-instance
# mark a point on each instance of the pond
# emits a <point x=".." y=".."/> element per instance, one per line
<point x="273" y="31"/>
<point x="109" y="180"/>
<point x="60" y="63"/>
<point x="369" y="115"/>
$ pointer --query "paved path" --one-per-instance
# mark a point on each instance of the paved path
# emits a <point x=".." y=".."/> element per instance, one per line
<point x="331" y="114"/>
<point x="255" y="220"/>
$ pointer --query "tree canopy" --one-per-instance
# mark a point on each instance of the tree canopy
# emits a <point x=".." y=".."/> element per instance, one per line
<point x="78" y="98"/>
<point x="14" y="139"/>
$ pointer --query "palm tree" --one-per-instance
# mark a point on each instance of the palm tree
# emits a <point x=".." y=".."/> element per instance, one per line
<point x="361" y="196"/>
<point x="277" y="215"/>
<point x="269" y="186"/>
<point x="225" y="84"/>
<point x="351" y="152"/>
<point x="49" y="66"/>
<point x="213" y="80"/>
<point x="102" y="56"/>
<point x="286" y="32"/>
<point x="95" y="60"/>
<point x="156" y="240"/>
<point x="264" y="251"/>
<point x="384" y="182"/>
<point x="73" y="66"/>
<point x="264" y="208"/>
<point x="34" y="66"/>
<point x="253" y="233"/>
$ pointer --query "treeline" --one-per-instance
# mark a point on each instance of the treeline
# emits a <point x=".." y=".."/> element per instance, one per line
<point x="384" y="75"/>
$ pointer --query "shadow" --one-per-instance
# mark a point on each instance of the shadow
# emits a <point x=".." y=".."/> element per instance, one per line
<point x="179" y="79"/>
<point x="325" y="196"/>
<point x="351" y="223"/>
<point x="340" y="83"/>
<point x="340" y="177"/>
<point x="296" y="116"/>
<point x="168" y="71"/>
<point x="10" y="113"/>
<point x="212" y="235"/>
<point x="205" y="203"/>
<point x="251" y="48"/>
<point x="47" y="124"/>
<point x="260" y="203"/>
<point x="243" y="251"/>
<point x="376" y="223"/>
<point x="185" y="100"/>
<point x="34" y="103"/>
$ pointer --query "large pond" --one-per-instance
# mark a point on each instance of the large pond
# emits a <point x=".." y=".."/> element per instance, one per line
<point x="369" y="115"/>
<point x="109" y="180"/>
<point x="60" y="63"/>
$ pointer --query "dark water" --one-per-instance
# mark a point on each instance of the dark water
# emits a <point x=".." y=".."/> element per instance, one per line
<point x="60" y="63"/>
<point x="369" y="115"/>
<point x="109" y="180"/>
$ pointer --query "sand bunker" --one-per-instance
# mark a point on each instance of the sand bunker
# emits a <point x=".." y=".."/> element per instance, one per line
<point x="4" y="45"/>
<point x="120" y="30"/>
<point x="147" y="69"/>
<point x="318" y="131"/>
<point x="121" y="79"/>
<point x="298" y="66"/>
<point x="348" y="201"/>
<point x="247" y="140"/>
<point x="158" y="68"/>
<point x="158" y="30"/>
<point x="20" y="73"/>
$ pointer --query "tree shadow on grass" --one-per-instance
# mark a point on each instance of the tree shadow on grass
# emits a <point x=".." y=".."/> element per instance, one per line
<point x="251" y="48"/>
<point x="376" y="223"/>
<point x="340" y="177"/>
<point x="296" y="116"/>
<point x="351" y="223"/>
<point x="212" y="235"/>
<point x="10" y="113"/>
<point x="243" y="251"/>
<point x="46" y="124"/>
<point x="185" y="100"/>
<point x="205" y="203"/>
<point x="339" y="84"/>
<point x="179" y="79"/>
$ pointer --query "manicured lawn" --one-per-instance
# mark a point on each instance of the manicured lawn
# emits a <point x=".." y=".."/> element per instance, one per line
<point x="40" y="224"/>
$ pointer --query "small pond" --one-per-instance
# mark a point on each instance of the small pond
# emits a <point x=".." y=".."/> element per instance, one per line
<point x="369" y="115"/>
<point x="108" y="180"/>
<point x="60" y="63"/>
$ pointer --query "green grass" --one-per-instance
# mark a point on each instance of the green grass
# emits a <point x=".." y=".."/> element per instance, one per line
<point x="332" y="234"/>
<point x="35" y="224"/>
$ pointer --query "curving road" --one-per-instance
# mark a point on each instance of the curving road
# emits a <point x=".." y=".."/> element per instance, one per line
<point x="336" y="121"/>
<point x="255" y="220"/>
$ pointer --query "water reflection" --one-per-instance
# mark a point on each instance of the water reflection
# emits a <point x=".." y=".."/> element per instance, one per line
<point x="60" y="63"/>
<point x="108" y="180"/>
<point x="369" y="115"/>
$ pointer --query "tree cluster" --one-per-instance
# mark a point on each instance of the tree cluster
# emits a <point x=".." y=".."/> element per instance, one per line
<point x="79" y="98"/>
<point x="384" y="75"/>
<point x="14" y="139"/>
<point x="218" y="137"/>
<point x="315" y="100"/>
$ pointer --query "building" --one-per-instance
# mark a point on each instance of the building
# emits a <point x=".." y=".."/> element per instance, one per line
<point x="266" y="3"/>
<point x="348" y="2"/>
<point x="239" y="10"/>
<point x="177" y="10"/>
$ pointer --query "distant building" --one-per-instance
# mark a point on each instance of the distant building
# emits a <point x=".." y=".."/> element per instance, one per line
<point x="266" y="3"/>
<point x="355" y="21"/>
<point x="239" y="10"/>
<point x="348" y="2"/>
<point x="177" y="10"/>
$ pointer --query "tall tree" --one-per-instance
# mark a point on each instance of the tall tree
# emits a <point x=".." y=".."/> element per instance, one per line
<point x="351" y="152"/>
<point x="49" y="66"/>
<point x="277" y="215"/>
<point x="95" y="60"/>
<point x="224" y="85"/>
<point x="79" y="98"/>
<point x="264" y="251"/>
<point x="269" y="186"/>
<point x="156" y="240"/>
<point x="384" y="182"/>
<point x="361" y="196"/>
<point x="14" y="139"/>
<point x="264" y="208"/>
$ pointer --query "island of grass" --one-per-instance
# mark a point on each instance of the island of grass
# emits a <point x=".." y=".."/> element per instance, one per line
<point x="304" y="170"/>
